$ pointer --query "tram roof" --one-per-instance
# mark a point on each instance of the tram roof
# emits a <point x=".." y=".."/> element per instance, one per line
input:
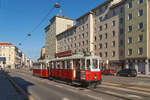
<point x="76" y="57"/>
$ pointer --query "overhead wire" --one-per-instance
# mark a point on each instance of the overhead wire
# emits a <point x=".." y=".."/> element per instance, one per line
<point x="44" y="18"/>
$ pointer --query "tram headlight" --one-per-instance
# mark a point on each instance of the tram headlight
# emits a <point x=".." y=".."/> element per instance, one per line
<point x="95" y="77"/>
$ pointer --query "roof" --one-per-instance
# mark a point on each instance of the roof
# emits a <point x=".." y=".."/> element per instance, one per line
<point x="5" y="43"/>
<point x="103" y="4"/>
<point x="64" y="17"/>
<point x="77" y="56"/>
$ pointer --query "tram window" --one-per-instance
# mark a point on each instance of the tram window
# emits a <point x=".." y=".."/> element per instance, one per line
<point x="68" y="64"/>
<point x="54" y="65"/>
<point x="88" y="64"/>
<point x="95" y="63"/>
<point x="58" y="65"/>
<point x="63" y="64"/>
<point x="83" y="64"/>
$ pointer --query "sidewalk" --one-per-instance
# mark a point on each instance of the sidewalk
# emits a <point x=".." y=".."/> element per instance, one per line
<point x="7" y="91"/>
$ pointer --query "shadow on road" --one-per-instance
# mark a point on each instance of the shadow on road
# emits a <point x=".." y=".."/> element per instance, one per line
<point x="21" y="85"/>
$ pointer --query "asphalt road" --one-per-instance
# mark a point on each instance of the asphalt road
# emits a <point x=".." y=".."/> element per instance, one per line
<point x="135" y="81"/>
<point x="43" y="89"/>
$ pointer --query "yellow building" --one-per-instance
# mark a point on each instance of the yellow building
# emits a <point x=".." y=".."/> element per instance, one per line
<point x="11" y="54"/>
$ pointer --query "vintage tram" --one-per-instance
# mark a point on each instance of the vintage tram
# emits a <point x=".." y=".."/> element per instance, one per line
<point x="40" y="69"/>
<point x="75" y="68"/>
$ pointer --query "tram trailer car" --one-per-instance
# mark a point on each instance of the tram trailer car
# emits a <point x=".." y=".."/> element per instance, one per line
<point x="77" y="68"/>
<point x="39" y="69"/>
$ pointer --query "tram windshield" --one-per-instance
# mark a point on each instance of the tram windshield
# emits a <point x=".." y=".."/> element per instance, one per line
<point x="92" y="65"/>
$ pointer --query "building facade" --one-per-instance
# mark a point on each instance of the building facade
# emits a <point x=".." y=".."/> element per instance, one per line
<point x="137" y="35"/>
<point x="14" y="58"/>
<point x="57" y="25"/>
<point x="100" y="31"/>
<point x="117" y="30"/>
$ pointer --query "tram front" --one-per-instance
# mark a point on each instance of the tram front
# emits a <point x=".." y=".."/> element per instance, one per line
<point x="91" y="76"/>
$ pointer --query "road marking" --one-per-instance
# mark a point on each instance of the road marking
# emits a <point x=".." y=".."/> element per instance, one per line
<point x="94" y="97"/>
<point x="125" y="89"/>
<point x="134" y="96"/>
<point x="65" y="99"/>
<point x="58" y="86"/>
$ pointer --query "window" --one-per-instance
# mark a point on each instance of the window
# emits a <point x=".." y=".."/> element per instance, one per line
<point x="140" y="1"/>
<point x="75" y="45"/>
<point x="121" y="21"/>
<point x="83" y="43"/>
<point x="105" y="26"/>
<point x="86" y="34"/>
<point x="100" y="37"/>
<point x="113" y="23"/>
<point x="113" y="54"/>
<point x="140" y="38"/>
<point x="106" y="16"/>
<point x="100" y="28"/>
<point x="113" y="13"/>
<point x="100" y="46"/>
<point x="105" y="45"/>
<point x="140" y="51"/>
<point x="75" y="38"/>
<point x="129" y="40"/>
<point x="100" y="54"/>
<point x="86" y="41"/>
<point x="130" y="4"/>
<point x="130" y="16"/>
<point x="140" y="25"/>
<point x="82" y="35"/>
<point x="95" y="38"/>
<point x="86" y="25"/>
<point x="95" y="47"/>
<point x="82" y="27"/>
<point x="105" y="35"/>
<point x="113" y="43"/>
<point x="106" y="54"/>
<point x="130" y="52"/>
<point x="140" y="13"/>
<point x="129" y="28"/>
<point x="100" y="19"/>
<point x="113" y="33"/>
<point x="121" y="10"/>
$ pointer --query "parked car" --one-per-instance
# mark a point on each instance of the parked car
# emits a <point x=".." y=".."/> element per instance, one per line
<point x="127" y="72"/>
<point x="109" y="72"/>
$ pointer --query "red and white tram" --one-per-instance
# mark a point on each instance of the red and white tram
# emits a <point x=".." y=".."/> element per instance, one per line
<point x="39" y="69"/>
<point x="81" y="69"/>
<point x="77" y="68"/>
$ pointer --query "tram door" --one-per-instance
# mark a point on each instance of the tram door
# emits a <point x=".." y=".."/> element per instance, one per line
<point x="77" y="69"/>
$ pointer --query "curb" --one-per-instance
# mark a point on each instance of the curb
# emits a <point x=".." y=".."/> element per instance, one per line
<point x="25" y="95"/>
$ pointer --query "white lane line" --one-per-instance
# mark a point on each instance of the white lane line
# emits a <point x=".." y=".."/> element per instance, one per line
<point x="58" y="86"/>
<point x="65" y="99"/>
<point x="134" y="96"/>
<point x="114" y="93"/>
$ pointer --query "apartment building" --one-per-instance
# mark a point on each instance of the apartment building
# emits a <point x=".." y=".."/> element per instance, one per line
<point x="137" y="35"/>
<point x="77" y="38"/>
<point x="11" y="56"/>
<point x="8" y="51"/>
<point x="100" y="31"/>
<point x="57" y="25"/>
<point x="109" y="33"/>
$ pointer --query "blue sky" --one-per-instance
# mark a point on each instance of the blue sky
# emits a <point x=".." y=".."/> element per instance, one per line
<point x="19" y="17"/>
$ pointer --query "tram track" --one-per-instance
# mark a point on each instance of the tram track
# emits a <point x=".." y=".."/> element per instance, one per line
<point x="97" y="90"/>
<point x="65" y="86"/>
